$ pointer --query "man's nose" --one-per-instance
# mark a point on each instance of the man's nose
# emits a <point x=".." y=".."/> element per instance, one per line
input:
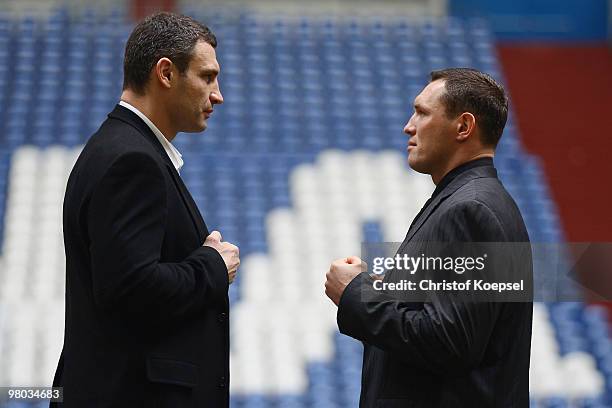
<point x="410" y="129"/>
<point x="216" y="98"/>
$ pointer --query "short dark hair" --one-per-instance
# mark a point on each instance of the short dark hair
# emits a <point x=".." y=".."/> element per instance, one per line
<point x="161" y="35"/>
<point x="469" y="90"/>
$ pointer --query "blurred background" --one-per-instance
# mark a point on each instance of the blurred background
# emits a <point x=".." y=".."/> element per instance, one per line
<point x="316" y="97"/>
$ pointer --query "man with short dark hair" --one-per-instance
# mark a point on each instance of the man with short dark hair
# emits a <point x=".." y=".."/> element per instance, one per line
<point x="146" y="283"/>
<point x="446" y="350"/>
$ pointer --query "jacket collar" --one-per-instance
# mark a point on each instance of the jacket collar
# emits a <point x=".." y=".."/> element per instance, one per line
<point x="125" y="115"/>
<point x="487" y="171"/>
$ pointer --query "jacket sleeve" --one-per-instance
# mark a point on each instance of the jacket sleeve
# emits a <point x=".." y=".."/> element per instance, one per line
<point x="446" y="335"/>
<point x="127" y="215"/>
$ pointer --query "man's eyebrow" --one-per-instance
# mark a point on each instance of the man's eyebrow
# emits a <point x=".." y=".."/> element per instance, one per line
<point x="209" y="70"/>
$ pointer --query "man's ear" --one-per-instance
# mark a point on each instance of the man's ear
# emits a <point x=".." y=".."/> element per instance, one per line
<point x="163" y="72"/>
<point x="466" y="126"/>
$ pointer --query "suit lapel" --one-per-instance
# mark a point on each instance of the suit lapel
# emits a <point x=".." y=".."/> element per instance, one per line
<point x="132" y="119"/>
<point x="458" y="182"/>
<point x="196" y="217"/>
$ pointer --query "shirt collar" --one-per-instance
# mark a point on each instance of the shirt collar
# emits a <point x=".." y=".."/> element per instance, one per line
<point x="175" y="156"/>
<point x="483" y="161"/>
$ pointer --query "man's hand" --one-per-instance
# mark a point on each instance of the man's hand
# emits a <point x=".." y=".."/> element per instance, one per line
<point x="229" y="252"/>
<point x="341" y="273"/>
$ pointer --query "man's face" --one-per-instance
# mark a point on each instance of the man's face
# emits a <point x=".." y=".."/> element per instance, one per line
<point x="431" y="132"/>
<point x="197" y="90"/>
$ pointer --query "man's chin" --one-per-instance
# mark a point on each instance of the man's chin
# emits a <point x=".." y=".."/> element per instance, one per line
<point x="198" y="129"/>
<point x="416" y="165"/>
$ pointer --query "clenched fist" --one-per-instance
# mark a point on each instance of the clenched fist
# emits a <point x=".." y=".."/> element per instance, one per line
<point x="228" y="251"/>
<point x="341" y="273"/>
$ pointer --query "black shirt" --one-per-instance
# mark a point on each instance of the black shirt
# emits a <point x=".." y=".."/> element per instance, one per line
<point x="450" y="176"/>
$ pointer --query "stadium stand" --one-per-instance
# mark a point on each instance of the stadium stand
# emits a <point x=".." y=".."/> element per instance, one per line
<point x="304" y="161"/>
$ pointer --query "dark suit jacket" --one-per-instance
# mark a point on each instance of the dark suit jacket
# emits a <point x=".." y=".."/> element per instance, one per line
<point x="448" y="352"/>
<point x="146" y="303"/>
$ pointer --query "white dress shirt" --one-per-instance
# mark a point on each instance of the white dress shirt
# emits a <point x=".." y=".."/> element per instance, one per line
<point x="175" y="156"/>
